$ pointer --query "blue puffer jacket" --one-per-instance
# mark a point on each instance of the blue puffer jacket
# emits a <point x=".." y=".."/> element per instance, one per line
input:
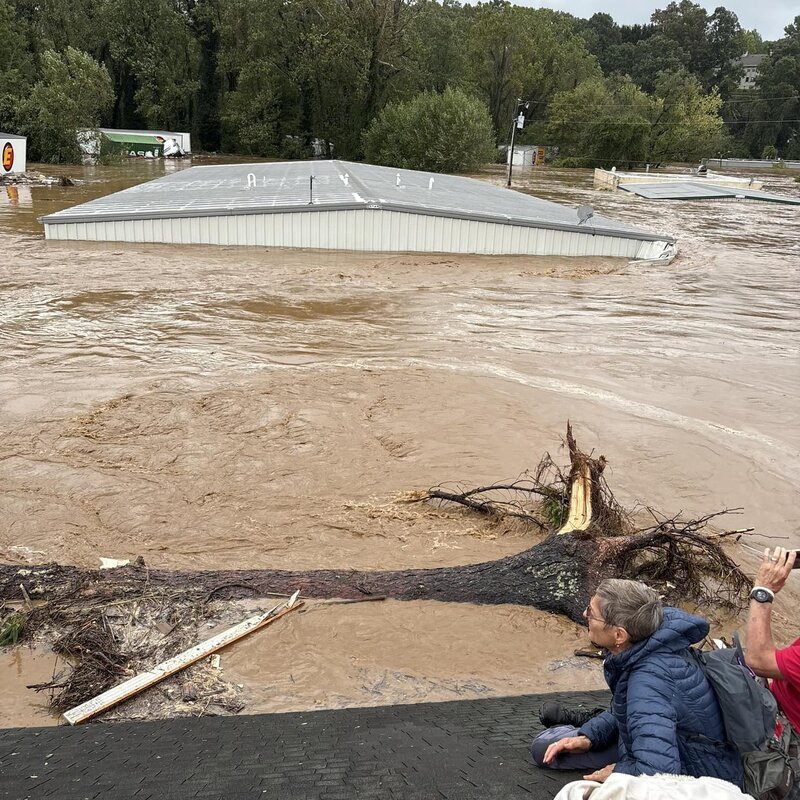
<point x="663" y="708"/>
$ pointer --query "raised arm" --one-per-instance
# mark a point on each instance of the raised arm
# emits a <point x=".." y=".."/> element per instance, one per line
<point x="772" y="574"/>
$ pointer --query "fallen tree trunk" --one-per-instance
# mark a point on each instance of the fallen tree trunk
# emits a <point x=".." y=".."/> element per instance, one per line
<point x="559" y="574"/>
<point x="551" y="575"/>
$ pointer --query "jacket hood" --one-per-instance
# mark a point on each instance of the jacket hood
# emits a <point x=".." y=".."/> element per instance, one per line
<point x="678" y="631"/>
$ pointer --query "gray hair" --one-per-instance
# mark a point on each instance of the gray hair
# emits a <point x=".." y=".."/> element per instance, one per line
<point x="631" y="605"/>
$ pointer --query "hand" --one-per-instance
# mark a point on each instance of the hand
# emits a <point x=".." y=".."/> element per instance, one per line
<point x="570" y="744"/>
<point x="601" y="774"/>
<point x="775" y="568"/>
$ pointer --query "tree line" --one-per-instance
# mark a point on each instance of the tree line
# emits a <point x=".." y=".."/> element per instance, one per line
<point x="383" y="78"/>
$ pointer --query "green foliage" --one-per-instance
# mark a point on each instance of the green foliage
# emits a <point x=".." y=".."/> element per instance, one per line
<point x="11" y="629"/>
<point x="151" y="46"/>
<point x="268" y="77"/>
<point x="772" y="119"/>
<point x="73" y="92"/>
<point x="555" y="509"/>
<point x="601" y="122"/>
<point x="16" y="66"/>
<point x="251" y="113"/>
<point x="752" y="42"/>
<point x="686" y="122"/>
<point x="447" y="132"/>
<point x="613" y="122"/>
<point x="522" y="52"/>
<point x="769" y="152"/>
<point x="648" y="58"/>
<point x="712" y="42"/>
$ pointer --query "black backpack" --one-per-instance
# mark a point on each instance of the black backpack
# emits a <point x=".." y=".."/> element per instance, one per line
<point x="749" y="710"/>
<point x="749" y="714"/>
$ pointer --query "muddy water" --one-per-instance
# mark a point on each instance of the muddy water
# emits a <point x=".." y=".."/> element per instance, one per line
<point x="208" y="407"/>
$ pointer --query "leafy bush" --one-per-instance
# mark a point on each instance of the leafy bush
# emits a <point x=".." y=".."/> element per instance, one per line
<point x="73" y="92"/>
<point x="447" y="132"/>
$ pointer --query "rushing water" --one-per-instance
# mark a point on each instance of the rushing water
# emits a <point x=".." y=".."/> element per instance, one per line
<point x="210" y="406"/>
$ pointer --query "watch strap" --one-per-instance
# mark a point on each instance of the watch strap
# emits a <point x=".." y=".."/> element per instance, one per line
<point x="763" y="589"/>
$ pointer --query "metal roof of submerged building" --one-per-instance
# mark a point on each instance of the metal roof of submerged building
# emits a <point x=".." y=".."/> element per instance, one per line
<point x="254" y="193"/>
<point x="700" y="190"/>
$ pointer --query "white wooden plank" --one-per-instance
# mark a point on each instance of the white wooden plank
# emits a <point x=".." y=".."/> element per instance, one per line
<point x="172" y="665"/>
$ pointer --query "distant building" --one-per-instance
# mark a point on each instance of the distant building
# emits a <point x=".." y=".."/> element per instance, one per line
<point x="12" y="151"/>
<point x="141" y="144"/>
<point x="750" y="63"/>
<point x="526" y="155"/>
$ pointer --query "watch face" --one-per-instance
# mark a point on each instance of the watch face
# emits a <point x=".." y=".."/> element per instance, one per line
<point x="760" y="596"/>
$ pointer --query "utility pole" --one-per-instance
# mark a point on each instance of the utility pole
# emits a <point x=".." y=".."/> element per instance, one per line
<point x="517" y="122"/>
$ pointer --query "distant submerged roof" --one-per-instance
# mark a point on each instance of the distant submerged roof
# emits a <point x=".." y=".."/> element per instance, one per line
<point x="700" y="190"/>
<point x="285" y="204"/>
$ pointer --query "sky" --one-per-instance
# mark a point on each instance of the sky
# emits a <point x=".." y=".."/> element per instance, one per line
<point x="769" y="18"/>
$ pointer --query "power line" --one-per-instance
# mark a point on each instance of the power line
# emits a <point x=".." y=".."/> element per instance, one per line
<point x="622" y="106"/>
<point x="647" y="122"/>
<point x="760" y="99"/>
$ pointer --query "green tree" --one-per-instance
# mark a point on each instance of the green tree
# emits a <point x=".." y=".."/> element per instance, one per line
<point x="260" y="101"/>
<point x="685" y="122"/>
<point x="16" y="66"/>
<point x="612" y="121"/>
<point x="773" y="118"/>
<point x="437" y="37"/>
<point x="603" y="121"/>
<point x="58" y="24"/>
<point x="250" y="114"/>
<point x="752" y="42"/>
<point x="523" y="52"/>
<point x="712" y="42"/>
<point x="602" y="36"/>
<point x="155" y="60"/>
<point x="645" y="60"/>
<point x="73" y="92"/>
<point x="447" y="132"/>
<point x="326" y="68"/>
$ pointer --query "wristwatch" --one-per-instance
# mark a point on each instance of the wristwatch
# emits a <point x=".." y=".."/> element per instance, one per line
<point x="762" y="595"/>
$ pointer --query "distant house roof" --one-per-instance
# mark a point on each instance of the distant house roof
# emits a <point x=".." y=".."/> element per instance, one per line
<point x="752" y="59"/>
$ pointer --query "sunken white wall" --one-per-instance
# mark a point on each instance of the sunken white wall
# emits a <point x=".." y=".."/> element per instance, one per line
<point x="368" y="230"/>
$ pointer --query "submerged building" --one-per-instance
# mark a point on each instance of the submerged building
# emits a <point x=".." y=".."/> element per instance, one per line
<point x="612" y="179"/>
<point x="341" y="205"/>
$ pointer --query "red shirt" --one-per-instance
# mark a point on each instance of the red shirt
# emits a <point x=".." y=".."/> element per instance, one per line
<point x="787" y="689"/>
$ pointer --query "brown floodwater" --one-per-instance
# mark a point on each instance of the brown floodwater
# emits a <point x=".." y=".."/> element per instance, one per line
<point x="246" y="407"/>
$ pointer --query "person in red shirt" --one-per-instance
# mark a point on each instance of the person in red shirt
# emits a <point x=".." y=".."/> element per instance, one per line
<point x="763" y="657"/>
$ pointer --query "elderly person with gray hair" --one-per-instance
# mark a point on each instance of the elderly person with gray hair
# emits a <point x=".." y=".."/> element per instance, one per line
<point x="664" y="716"/>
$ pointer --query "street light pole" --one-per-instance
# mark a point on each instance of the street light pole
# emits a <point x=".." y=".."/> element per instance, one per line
<point x="517" y="122"/>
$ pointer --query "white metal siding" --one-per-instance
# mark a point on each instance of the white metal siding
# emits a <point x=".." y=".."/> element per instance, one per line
<point x="370" y="230"/>
<point x="19" y="146"/>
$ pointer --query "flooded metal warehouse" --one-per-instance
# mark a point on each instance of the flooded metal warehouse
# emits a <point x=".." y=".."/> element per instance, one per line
<point x="338" y="205"/>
